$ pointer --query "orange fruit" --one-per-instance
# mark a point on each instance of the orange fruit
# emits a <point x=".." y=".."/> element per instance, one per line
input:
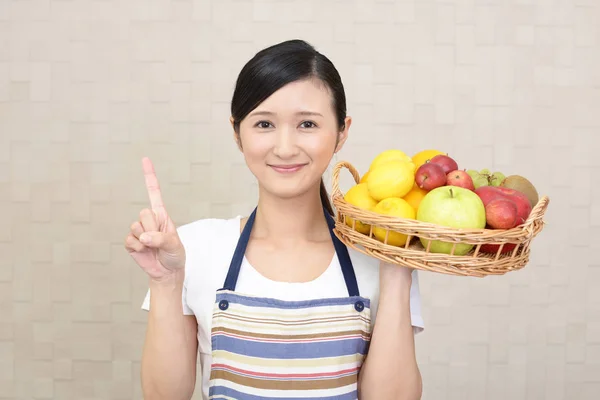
<point x="423" y="156"/>
<point x="415" y="196"/>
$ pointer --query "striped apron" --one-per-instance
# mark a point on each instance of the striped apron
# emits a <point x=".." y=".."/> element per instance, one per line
<point x="264" y="348"/>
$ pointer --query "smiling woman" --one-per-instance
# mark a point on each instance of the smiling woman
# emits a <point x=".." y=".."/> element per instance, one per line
<point x="293" y="132"/>
<point x="274" y="304"/>
<point x="289" y="89"/>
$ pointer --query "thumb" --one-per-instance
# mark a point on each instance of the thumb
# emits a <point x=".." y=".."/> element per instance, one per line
<point x="166" y="241"/>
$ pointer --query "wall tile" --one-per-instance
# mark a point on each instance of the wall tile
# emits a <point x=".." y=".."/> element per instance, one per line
<point x="88" y="88"/>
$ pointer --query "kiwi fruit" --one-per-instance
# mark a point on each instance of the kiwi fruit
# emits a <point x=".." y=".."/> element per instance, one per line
<point x="523" y="185"/>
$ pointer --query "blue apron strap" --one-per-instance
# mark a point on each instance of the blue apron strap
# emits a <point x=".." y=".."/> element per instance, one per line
<point x="344" y="258"/>
<point x="340" y="249"/>
<point x="238" y="255"/>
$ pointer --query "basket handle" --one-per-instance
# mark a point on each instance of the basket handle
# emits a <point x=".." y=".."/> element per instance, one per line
<point x="336" y="176"/>
<point x="538" y="210"/>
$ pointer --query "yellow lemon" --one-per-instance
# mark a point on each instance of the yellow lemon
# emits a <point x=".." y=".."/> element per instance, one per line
<point x="415" y="196"/>
<point x="391" y="155"/>
<point x="358" y="196"/>
<point x="395" y="207"/>
<point x="364" y="177"/>
<point x="391" y="179"/>
<point x="423" y="156"/>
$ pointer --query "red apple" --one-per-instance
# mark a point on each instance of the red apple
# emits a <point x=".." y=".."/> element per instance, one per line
<point x="489" y="193"/>
<point x="501" y="213"/>
<point x="447" y="163"/>
<point x="461" y="179"/>
<point x="493" y="248"/>
<point x="430" y="176"/>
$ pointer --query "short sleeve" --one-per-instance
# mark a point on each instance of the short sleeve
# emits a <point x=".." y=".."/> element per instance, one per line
<point x="416" y="314"/>
<point x="367" y="273"/>
<point x="186" y="309"/>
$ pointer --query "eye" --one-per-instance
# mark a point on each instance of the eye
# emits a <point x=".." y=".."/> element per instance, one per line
<point x="308" y="124"/>
<point x="263" y="125"/>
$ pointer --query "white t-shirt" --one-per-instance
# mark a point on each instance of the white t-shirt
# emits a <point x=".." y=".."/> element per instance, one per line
<point x="210" y="244"/>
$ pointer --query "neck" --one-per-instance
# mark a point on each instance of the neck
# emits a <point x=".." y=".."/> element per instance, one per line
<point x="289" y="220"/>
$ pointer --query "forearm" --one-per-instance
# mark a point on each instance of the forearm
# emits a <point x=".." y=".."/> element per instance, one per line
<point x="390" y="370"/>
<point x="170" y="348"/>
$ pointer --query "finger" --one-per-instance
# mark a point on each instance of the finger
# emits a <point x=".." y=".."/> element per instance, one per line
<point x="160" y="240"/>
<point x="148" y="220"/>
<point x="136" y="229"/>
<point x="132" y="244"/>
<point x="152" y="185"/>
<point x="170" y="226"/>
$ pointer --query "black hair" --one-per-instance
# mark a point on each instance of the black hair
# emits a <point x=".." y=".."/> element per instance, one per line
<point x="278" y="65"/>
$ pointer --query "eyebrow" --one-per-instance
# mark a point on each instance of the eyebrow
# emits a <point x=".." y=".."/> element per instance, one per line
<point x="270" y="113"/>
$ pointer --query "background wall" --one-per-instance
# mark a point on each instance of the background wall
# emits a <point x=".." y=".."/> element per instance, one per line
<point x="89" y="87"/>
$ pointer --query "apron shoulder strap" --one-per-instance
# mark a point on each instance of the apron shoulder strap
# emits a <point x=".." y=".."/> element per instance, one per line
<point x="238" y="256"/>
<point x="344" y="258"/>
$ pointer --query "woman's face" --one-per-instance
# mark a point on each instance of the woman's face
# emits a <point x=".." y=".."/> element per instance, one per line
<point x="289" y="139"/>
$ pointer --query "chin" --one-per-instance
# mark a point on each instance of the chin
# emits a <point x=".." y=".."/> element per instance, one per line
<point x="286" y="190"/>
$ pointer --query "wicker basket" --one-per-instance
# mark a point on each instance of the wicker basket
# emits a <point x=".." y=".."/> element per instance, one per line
<point x="414" y="255"/>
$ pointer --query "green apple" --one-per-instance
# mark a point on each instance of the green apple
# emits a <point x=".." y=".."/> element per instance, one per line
<point x="454" y="207"/>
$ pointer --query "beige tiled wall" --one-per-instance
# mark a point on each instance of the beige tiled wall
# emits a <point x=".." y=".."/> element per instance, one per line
<point x="87" y="87"/>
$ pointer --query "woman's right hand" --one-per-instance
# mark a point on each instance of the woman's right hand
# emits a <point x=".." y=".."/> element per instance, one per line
<point x="153" y="241"/>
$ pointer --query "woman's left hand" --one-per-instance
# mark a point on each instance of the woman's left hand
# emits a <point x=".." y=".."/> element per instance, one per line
<point x="397" y="377"/>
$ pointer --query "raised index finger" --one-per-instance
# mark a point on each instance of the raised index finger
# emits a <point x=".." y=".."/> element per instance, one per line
<point x="152" y="185"/>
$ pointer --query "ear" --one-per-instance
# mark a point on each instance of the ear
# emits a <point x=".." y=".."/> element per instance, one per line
<point x="343" y="134"/>
<point x="236" y="136"/>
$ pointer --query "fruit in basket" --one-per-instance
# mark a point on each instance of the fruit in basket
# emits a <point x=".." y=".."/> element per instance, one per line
<point x="461" y="179"/>
<point x="415" y="196"/>
<point x="489" y="193"/>
<point x="446" y="162"/>
<point x="478" y="179"/>
<point x="390" y="179"/>
<point x="364" y="177"/>
<point x="391" y="155"/>
<point x="523" y="185"/>
<point x="430" y="176"/>
<point x="395" y="207"/>
<point x="501" y="213"/>
<point x="425" y="156"/>
<point x="496" y="178"/>
<point x="485" y="178"/>
<point x="493" y="248"/>
<point x="454" y="207"/>
<point x="358" y="196"/>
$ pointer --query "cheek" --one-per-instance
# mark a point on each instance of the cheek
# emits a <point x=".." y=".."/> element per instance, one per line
<point x="254" y="147"/>
<point x="321" y="148"/>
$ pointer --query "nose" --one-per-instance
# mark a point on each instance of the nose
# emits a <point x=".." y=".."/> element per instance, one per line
<point x="285" y="143"/>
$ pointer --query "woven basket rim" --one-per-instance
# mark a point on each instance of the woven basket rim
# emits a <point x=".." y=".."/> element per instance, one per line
<point x="477" y="262"/>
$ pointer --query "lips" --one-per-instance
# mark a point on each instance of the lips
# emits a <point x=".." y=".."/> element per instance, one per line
<point x="287" y="169"/>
